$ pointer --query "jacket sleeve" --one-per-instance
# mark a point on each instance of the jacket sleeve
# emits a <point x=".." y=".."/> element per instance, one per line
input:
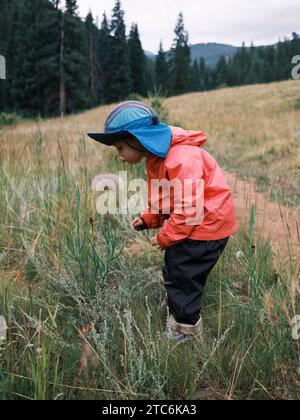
<point x="153" y="221"/>
<point x="184" y="164"/>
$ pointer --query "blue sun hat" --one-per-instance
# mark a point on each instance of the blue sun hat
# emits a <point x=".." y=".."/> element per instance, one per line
<point x="139" y="120"/>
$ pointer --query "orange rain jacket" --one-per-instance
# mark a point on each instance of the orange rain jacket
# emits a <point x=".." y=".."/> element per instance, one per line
<point x="187" y="159"/>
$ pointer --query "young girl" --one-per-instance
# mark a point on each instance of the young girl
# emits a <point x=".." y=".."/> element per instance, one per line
<point x="191" y="249"/>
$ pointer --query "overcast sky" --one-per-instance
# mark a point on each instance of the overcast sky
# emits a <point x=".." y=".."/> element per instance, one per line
<point x="225" y="21"/>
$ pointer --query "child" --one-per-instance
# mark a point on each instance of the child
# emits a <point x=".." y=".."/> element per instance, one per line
<point x="191" y="250"/>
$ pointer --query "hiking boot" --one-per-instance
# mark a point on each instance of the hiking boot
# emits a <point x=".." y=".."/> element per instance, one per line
<point x="177" y="337"/>
<point x="182" y="332"/>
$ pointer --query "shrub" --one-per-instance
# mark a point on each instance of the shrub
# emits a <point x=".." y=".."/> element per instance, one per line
<point x="8" y="119"/>
<point x="297" y="104"/>
<point x="136" y="97"/>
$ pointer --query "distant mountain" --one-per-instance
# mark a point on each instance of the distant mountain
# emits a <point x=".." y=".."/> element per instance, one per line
<point x="211" y="52"/>
<point x="150" y="55"/>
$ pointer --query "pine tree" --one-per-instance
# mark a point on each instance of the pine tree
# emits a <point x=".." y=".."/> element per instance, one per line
<point x="137" y="62"/>
<point x="282" y="61"/>
<point x="222" y="73"/>
<point x="150" y="75"/>
<point x="94" y="83"/>
<point x="162" y="75"/>
<point x="74" y="61"/>
<point x="242" y="61"/>
<point x="294" y="50"/>
<point x="56" y="3"/>
<point x="257" y="71"/>
<point x="268" y="68"/>
<point x="104" y="60"/>
<point x="250" y="77"/>
<point x="295" y="44"/>
<point x="35" y="75"/>
<point x="180" y="59"/>
<point x="3" y="26"/>
<point x="203" y="74"/>
<point x="232" y="72"/>
<point x="71" y="7"/>
<point x="195" y="79"/>
<point x="62" y="81"/>
<point x="212" y="78"/>
<point x="119" y="59"/>
<point x="9" y="28"/>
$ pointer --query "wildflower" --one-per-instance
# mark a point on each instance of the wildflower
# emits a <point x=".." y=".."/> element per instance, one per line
<point x="3" y="328"/>
<point x="29" y="346"/>
<point x="240" y="255"/>
<point x="24" y="208"/>
<point x="122" y="360"/>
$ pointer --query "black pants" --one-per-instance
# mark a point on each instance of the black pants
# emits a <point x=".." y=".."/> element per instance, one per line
<point x="187" y="266"/>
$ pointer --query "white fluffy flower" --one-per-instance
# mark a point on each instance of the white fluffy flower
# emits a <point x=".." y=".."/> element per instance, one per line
<point x="240" y="255"/>
<point x="3" y="329"/>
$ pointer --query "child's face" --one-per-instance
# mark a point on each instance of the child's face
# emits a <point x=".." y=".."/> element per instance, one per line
<point x="127" y="154"/>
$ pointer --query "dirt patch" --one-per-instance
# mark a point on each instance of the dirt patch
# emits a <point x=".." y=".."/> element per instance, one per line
<point x="280" y="225"/>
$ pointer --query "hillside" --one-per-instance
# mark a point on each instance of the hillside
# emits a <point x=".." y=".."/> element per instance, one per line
<point x="211" y="52"/>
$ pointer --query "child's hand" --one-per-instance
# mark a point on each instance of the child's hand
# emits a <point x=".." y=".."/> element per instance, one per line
<point x="138" y="224"/>
<point x="154" y="242"/>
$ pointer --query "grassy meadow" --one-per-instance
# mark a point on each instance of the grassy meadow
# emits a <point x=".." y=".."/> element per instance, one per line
<point x="82" y="294"/>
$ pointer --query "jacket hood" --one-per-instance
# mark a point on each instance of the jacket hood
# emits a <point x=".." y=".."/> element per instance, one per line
<point x="187" y="137"/>
<point x="179" y="136"/>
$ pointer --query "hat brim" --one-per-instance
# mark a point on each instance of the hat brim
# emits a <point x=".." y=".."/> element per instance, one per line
<point x="109" y="139"/>
<point x="155" y="138"/>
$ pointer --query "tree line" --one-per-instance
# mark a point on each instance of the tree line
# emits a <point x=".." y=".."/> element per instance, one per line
<point x="59" y="63"/>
